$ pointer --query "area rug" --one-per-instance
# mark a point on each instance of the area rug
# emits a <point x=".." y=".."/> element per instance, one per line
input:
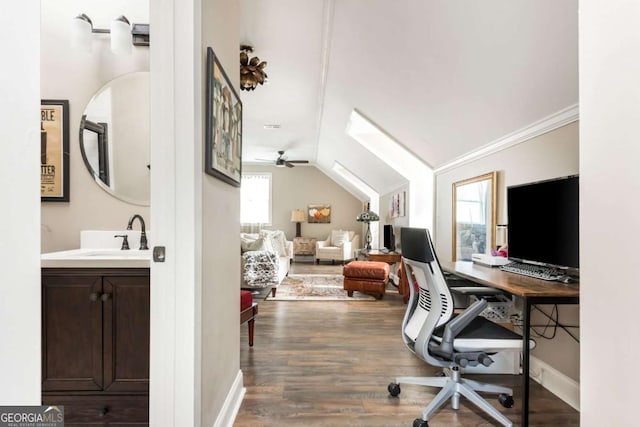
<point x="315" y="287"/>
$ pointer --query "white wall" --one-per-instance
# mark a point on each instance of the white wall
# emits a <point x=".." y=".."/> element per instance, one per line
<point x="385" y="215"/>
<point x="76" y="76"/>
<point x="551" y="155"/>
<point x="220" y="236"/>
<point x="195" y="375"/>
<point x="298" y="187"/>
<point x="610" y="184"/>
<point x="20" y="359"/>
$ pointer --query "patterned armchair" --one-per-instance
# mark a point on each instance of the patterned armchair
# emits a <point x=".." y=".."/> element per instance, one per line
<point x="265" y="259"/>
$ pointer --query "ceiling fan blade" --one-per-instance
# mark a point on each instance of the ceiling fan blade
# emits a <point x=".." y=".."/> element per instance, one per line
<point x="289" y="164"/>
<point x="298" y="161"/>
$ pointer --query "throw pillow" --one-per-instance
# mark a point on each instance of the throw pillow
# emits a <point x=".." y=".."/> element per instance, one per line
<point x="339" y="237"/>
<point x="260" y="244"/>
<point x="281" y="243"/>
<point x="277" y="240"/>
<point x="245" y="242"/>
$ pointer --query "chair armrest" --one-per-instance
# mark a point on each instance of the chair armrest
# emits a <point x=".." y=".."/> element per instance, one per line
<point x="290" y="248"/>
<point x="322" y="243"/>
<point x="475" y="290"/>
<point x="454" y="327"/>
<point x="355" y="242"/>
<point x="346" y="250"/>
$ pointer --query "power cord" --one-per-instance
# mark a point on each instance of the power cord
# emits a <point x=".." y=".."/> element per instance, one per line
<point x="553" y="318"/>
<point x="557" y="322"/>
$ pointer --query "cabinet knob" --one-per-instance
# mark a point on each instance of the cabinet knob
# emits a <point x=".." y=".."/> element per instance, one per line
<point x="103" y="412"/>
<point x="94" y="296"/>
<point x="105" y="297"/>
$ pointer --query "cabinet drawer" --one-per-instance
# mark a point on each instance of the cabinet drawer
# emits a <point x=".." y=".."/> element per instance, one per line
<point x="102" y="410"/>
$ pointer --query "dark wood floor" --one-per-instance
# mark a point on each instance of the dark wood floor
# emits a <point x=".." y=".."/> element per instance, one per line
<point x="329" y="363"/>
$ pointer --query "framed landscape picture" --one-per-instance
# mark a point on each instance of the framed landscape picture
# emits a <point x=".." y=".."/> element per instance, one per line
<point x="223" y="145"/>
<point x="54" y="150"/>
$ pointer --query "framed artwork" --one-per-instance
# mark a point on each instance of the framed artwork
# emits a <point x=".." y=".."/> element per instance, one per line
<point x="54" y="150"/>
<point x="398" y="205"/>
<point x="319" y="214"/>
<point x="223" y="147"/>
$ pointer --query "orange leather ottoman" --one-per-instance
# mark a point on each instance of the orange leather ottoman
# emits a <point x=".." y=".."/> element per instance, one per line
<point x="366" y="276"/>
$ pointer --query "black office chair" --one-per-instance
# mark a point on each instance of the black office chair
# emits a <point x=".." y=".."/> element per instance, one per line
<point x="440" y="338"/>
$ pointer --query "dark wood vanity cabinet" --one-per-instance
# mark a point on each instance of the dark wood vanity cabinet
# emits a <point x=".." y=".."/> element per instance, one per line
<point x="95" y="344"/>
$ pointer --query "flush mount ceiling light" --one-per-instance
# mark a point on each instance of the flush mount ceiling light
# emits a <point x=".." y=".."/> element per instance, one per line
<point x="251" y="70"/>
<point x="123" y="35"/>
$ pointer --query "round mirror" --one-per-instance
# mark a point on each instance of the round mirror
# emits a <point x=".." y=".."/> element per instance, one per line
<point x="114" y="138"/>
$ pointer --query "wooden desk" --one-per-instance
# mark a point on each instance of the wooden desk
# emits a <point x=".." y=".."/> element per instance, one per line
<point x="392" y="258"/>
<point x="388" y="257"/>
<point x="532" y="291"/>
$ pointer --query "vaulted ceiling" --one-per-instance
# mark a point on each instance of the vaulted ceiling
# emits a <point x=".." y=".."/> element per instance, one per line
<point x="442" y="77"/>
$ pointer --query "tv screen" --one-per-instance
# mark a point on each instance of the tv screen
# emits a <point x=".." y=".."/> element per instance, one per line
<point x="389" y="238"/>
<point x="543" y="222"/>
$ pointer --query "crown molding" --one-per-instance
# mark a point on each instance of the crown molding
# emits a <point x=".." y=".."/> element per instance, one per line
<point x="549" y="123"/>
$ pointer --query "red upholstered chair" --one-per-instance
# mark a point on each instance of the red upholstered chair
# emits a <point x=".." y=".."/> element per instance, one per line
<point x="248" y="311"/>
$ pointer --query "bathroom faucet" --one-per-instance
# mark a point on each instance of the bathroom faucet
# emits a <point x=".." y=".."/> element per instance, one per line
<point x="143" y="235"/>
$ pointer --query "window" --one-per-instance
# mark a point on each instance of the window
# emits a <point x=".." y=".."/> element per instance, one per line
<point x="255" y="198"/>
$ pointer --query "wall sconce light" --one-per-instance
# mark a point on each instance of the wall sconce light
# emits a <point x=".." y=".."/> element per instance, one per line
<point x="123" y="35"/>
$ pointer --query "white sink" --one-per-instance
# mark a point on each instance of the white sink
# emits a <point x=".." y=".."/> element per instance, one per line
<point x="96" y="258"/>
<point x="114" y="253"/>
<point x="101" y="249"/>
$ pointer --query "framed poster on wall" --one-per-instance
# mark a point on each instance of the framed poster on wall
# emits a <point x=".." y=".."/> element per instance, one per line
<point x="223" y="147"/>
<point x="54" y="150"/>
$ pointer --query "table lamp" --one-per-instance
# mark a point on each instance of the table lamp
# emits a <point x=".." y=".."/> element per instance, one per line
<point x="297" y="216"/>
<point x="368" y="217"/>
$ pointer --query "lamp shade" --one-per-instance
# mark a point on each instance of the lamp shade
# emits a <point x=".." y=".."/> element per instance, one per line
<point x="368" y="216"/>
<point x="81" y="27"/>
<point x="121" y="38"/>
<point x="297" y="215"/>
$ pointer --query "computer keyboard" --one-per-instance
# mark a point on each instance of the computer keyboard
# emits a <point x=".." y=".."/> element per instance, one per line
<point x="537" y="271"/>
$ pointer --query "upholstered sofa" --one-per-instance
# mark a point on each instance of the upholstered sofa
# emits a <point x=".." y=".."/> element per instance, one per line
<point x="266" y="257"/>
<point x="339" y="246"/>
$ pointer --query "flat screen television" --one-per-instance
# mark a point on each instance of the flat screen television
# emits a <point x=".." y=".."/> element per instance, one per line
<point x="543" y="222"/>
<point x="389" y="239"/>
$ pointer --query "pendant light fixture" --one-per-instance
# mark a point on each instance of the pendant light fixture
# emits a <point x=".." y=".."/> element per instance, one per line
<point x="251" y="70"/>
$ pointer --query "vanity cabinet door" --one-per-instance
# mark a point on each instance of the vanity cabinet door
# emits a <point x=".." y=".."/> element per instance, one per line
<point x="71" y="333"/>
<point x="126" y="333"/>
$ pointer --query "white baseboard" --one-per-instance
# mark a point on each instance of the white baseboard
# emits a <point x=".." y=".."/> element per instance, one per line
<point x="232" y="403"/>
<point x="556" y="382"/>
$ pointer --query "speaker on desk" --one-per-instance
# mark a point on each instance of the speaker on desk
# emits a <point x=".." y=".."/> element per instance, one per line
<point x="389" y="237"/>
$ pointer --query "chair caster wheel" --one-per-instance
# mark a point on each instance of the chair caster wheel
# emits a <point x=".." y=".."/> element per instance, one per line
<point x="505" y="400"/>
<point x="394" y="389"/>
<point x="419" y="422"/>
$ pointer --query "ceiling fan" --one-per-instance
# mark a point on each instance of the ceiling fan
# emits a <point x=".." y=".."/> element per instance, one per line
<point x="282" y="161"/>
